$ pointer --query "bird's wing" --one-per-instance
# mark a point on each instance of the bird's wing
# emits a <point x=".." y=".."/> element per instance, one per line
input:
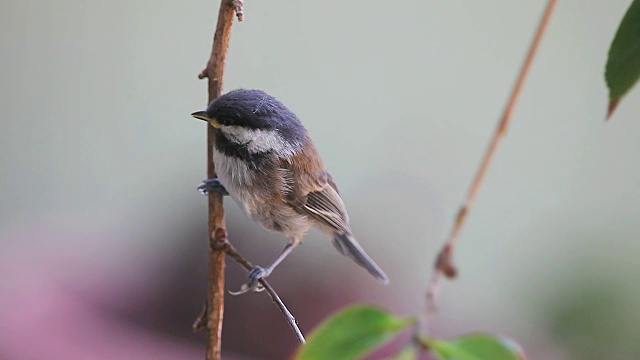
<point x="311" y="191"/>
<point x="326" y="206"/>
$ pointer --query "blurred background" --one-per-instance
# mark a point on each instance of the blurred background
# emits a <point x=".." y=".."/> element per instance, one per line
<point x="103" y="234"/>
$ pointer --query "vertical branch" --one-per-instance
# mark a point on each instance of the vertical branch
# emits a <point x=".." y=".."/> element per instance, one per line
<point x="214" y="71"/>
<point x="444" y="264"/>
<point x="211" y="318"/>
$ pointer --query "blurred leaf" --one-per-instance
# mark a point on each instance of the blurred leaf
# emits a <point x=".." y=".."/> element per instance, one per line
<point x="351" y="333"/>
<point x="474" y="347"/>
<point x="593" y="316"/>
<point x="408" y="353"/>
<point x="623" y="65"/>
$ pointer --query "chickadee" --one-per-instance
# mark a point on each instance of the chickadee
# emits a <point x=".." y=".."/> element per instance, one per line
<point x="266" y="161"/>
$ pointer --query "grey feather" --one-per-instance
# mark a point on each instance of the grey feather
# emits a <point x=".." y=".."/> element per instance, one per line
<point x="348" y="246"/>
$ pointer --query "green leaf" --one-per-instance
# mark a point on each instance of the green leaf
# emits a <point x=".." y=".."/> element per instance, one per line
<point x="351" y="333"/>
<point x="623" y="65"/>
<point x="408" y="353"/>
<point x="474" y="347"/>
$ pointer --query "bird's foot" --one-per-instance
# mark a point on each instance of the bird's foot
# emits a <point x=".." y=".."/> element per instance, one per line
<point x="253" y="284"/>
<point x="212" y="185"/>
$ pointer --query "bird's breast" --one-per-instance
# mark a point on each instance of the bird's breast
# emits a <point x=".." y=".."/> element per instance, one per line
<point x="232" y="171"/>
<point x="258" y="193"/>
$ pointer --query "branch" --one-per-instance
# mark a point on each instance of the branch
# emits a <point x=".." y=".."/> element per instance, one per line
<point x="226" y="246"/>
<point x="214" y="309"/>
<point x="233" y="253"/>
<point x="444" y="263"/>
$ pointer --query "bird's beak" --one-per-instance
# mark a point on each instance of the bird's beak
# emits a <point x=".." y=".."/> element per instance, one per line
<point x="202" y="115"/>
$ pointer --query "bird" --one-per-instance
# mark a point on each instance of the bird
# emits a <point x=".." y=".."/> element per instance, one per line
<point x="266" y="161"/>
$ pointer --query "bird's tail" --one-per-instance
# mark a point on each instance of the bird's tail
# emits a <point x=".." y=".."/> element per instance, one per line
<point x="349" y="246"/>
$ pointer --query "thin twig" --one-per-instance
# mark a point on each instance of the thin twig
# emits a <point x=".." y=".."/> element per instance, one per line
<point x="444" y="264"/>
<point x="201" y="322"/>
<point x="235" y="255"/>
<point x="238" y="6"/>
<point x="225" y="245"/>
<point x="214" y="309"/>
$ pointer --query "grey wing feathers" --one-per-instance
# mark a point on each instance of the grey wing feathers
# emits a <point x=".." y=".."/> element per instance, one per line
<point x="311" y="191"/>
<point x="326" y="206"/>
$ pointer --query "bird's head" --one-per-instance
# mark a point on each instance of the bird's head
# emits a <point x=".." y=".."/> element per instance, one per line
<point x="254" y="120"/>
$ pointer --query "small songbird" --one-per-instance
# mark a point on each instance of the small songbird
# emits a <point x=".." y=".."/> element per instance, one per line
<point x="266" y="161"/>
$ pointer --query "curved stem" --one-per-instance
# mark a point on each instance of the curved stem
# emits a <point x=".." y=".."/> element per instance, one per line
<point x="444" y="264"/>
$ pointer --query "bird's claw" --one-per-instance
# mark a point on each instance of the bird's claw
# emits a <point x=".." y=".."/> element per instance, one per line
<point x="212" y="185"/>
<point x="253" y="284"/>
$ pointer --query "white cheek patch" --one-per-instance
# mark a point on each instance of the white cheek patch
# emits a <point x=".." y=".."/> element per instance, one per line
<point x="258" y="140"/>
